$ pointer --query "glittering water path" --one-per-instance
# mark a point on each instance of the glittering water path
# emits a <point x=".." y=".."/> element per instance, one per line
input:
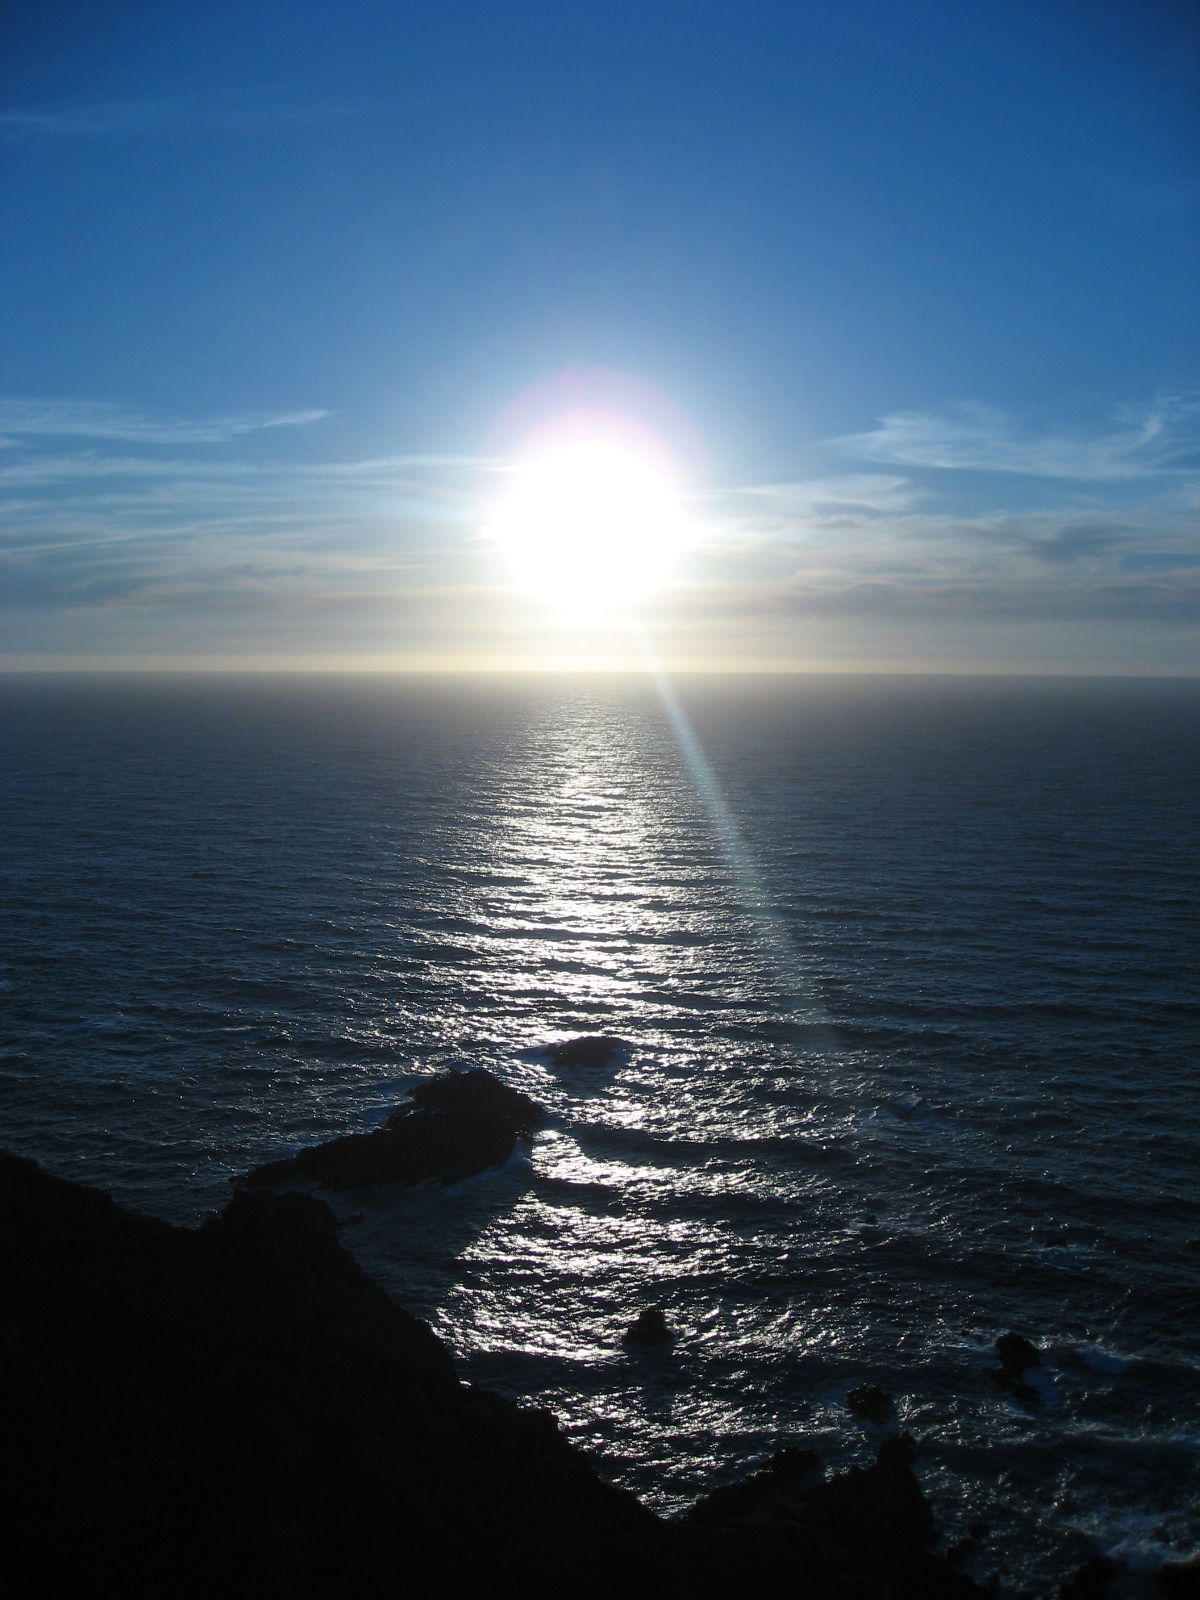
<point x="907" y="975"/>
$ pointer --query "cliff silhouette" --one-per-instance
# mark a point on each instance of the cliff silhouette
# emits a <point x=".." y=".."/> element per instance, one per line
<point x="237" y="1408"/>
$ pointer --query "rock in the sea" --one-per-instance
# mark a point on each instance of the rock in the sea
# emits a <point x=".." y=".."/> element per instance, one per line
<point x="650" y="1328"/>
<point x="453" y="1127"/>
<point x="1016" y="1352"/>
<point x="591" y="1050"/>
<point x="870" y="1403"/>
<point x="1017" y="1356"/>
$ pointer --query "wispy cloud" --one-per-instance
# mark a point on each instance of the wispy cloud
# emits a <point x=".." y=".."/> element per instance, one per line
<point x="1145" y="442"/>
<point x="1012" y="599"/>
<point x="862" y="492"/>
<point x="122" y="119"/>
<point x="105" y="505"/>
<point x="89" y="419"/>
<point x="385" y="468"/>
<point x="122" y="517"/>
<point x="1102" y="531"/>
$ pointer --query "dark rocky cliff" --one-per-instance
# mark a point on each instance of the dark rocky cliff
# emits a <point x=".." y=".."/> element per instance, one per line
<point x="238" y="1409"/>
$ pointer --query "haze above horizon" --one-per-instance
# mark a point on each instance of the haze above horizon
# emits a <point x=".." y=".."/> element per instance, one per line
<point x="890" y="307"/>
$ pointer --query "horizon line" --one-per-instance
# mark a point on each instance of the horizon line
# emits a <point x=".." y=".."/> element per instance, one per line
<point x="565" y="670"/>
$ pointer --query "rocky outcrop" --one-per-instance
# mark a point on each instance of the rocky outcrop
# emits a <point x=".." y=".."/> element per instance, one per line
<point x="1180" y="1580"/>
<point x="770" y="1495"/>
<point x="452" y="1128"/>
<point x="1093" y="1581"/>
<point x="869" y="1531"/>
<point x="237" y="1409"/>
<point x="590" y="1050"/>
<point x="650" y="1329"/>
<point x="870" y="1403"/>
<point x="1017" y="1357"/>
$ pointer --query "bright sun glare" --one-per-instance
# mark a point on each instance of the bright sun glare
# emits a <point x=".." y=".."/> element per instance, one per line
<point x="591" y="524"/>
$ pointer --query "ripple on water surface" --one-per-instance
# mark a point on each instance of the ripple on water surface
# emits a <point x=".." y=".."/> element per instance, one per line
<point x="904" y="973"/>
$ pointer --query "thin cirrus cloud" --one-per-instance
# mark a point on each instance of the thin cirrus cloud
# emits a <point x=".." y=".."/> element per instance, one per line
<point x="1100" y="535"/>
<point x="91" y="419"/>
<point x="864" y="492"/>
<point x="103" y="504"/>
<point x="76" y="496"/>
<point x="123" y="517"/>
<point x="1008" y="598"/>
<point x="123" y="119"/>
<point x="1145" y="442"/>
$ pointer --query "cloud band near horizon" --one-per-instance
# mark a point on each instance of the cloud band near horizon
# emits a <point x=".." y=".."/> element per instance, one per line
<point x="110" y="544"/>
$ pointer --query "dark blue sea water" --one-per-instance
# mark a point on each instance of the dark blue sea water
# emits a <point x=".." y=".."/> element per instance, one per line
<point x="907" y="971"/>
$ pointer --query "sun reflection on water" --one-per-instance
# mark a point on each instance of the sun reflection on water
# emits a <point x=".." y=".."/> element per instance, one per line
<point x="591" y="874"/>
<point x="607" y="888"/>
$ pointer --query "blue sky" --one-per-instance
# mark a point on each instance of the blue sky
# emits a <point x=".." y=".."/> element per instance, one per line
<point x="907" y="289"/>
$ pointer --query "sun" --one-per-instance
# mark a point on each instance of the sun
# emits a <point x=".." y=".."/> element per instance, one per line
<point x="591" y="523"/>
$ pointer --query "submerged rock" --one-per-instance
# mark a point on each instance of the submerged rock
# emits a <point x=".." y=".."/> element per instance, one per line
<point x="590" y="1050"/>
<point x="453" y="1127"/>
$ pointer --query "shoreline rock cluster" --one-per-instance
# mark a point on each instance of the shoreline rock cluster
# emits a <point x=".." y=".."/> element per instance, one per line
<point x="239" y="1408"/>
<point x="452" y="1127"/>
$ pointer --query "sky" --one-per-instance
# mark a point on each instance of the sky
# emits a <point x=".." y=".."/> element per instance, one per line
<point x="905" y="293"/>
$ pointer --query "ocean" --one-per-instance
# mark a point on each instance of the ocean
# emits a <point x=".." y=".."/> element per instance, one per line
<point x="906" y="971"/>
